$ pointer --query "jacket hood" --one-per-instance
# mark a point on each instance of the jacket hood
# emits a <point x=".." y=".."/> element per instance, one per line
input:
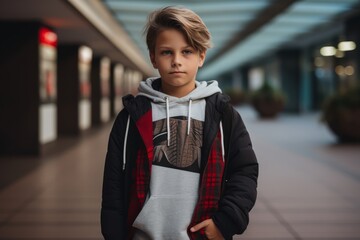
<point x="150" y="89"/>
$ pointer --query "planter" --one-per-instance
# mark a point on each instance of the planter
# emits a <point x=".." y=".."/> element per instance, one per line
<point x="237" y="96"/>
<point x="342" y="114"/>
<point x="268" y="101"/>
<point x="268" y="108"/>
<point x="345" y="124"/>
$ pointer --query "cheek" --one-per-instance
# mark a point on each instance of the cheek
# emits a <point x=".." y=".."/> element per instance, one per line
<point x="163" y="63"/>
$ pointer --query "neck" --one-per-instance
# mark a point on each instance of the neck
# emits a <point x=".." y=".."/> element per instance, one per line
<point x="177" y="92"/>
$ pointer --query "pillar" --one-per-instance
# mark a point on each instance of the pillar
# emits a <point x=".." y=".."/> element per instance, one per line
<point x="290" y="75"/>
<point x="28" y="93"/>
<point x="74" y="89"/>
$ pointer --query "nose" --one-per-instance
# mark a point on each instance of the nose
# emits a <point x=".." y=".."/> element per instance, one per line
<point x="176" y="60"/>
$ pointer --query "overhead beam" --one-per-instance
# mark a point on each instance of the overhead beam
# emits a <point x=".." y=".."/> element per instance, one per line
<point x="263" y="17"/>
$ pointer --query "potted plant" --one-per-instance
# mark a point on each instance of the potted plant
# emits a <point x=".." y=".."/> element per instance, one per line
<point x="237" y="95"/>
<point x="341" y="112"/>
<point x="268" y="101"/>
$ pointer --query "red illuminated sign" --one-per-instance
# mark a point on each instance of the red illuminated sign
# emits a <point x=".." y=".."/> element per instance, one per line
<point x="47" y="37"/>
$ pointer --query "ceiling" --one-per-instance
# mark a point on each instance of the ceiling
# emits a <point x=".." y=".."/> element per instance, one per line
<point x="242" y="30"/>
<point x="80" y="22"/>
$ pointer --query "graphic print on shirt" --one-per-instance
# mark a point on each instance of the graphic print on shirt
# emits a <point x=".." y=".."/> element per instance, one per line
<point x="184" y="152"/>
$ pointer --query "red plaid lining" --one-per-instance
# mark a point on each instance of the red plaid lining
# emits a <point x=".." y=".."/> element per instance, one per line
<point x="142" y="170"/>
<point x="210" y="188"/>
<point x="138" y="189"/>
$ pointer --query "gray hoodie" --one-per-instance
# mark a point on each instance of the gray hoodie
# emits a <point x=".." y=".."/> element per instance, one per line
<point x="177" y="137"/>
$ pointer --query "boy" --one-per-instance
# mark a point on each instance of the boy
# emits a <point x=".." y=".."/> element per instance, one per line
<point x="166" y="176"/>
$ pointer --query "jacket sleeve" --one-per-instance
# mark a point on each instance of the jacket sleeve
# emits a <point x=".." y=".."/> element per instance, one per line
<point x="239" y="190"/>
<point x="113" y="214"/>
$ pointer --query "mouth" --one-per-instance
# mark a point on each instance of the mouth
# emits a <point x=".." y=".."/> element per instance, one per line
<point x="176" y="72"/>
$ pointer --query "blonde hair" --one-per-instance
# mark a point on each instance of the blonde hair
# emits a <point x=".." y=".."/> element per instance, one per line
<point x="184" y="20"/>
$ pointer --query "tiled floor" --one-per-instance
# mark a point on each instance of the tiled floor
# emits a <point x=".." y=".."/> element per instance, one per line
<point x="309" y="186"/>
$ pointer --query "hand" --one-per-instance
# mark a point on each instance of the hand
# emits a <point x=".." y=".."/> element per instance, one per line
<point x="211" y="231"/>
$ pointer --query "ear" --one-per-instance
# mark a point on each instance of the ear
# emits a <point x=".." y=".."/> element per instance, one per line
<point x="202" y="56"/>
<point x="152" y="58"/>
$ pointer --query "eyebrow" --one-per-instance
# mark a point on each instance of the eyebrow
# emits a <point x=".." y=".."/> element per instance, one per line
<point x="168" y="47"/>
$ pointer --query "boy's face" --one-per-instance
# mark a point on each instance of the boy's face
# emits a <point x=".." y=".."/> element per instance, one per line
<point x="177" y="63"/>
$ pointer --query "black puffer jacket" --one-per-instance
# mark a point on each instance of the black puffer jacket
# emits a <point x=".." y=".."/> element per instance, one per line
<point x="239" y="180"/>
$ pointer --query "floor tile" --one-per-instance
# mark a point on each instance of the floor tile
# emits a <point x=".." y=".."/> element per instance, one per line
<point x="49" y="231"/>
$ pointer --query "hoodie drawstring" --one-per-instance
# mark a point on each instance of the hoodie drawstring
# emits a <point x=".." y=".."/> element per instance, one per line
<point x="189" y="117"/>
<point x="167" y="121"/>
<point x="125" y="141"/>
<point x="222" y="141"/>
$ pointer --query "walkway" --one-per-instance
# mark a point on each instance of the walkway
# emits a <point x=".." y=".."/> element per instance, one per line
<point x="309" y="186"/>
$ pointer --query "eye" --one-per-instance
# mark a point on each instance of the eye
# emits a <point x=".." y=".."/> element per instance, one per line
<point x="187" y="51"/>
<point x="165" y="52"/>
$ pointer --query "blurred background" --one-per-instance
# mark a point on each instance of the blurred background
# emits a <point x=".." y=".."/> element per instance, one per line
<point x="291" y="68"/>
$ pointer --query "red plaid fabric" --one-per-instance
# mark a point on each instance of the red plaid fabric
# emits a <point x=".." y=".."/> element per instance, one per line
<point x="139" y="189"/>
<point x="142" y="177"/>
<point x="141" y="172"/>
<point x="210" y="188"/>
<point x="144" y="158"/>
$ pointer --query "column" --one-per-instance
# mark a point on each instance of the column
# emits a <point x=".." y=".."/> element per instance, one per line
<point x="28" y="93"/>
<point x="290" y="75"/>
<point x="74" y="113"/>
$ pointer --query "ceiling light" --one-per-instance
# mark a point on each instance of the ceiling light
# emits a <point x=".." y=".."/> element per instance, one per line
<point x="85" y="54"/>
<point x="328" y="51"/>
<point x="346" y="46"/>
